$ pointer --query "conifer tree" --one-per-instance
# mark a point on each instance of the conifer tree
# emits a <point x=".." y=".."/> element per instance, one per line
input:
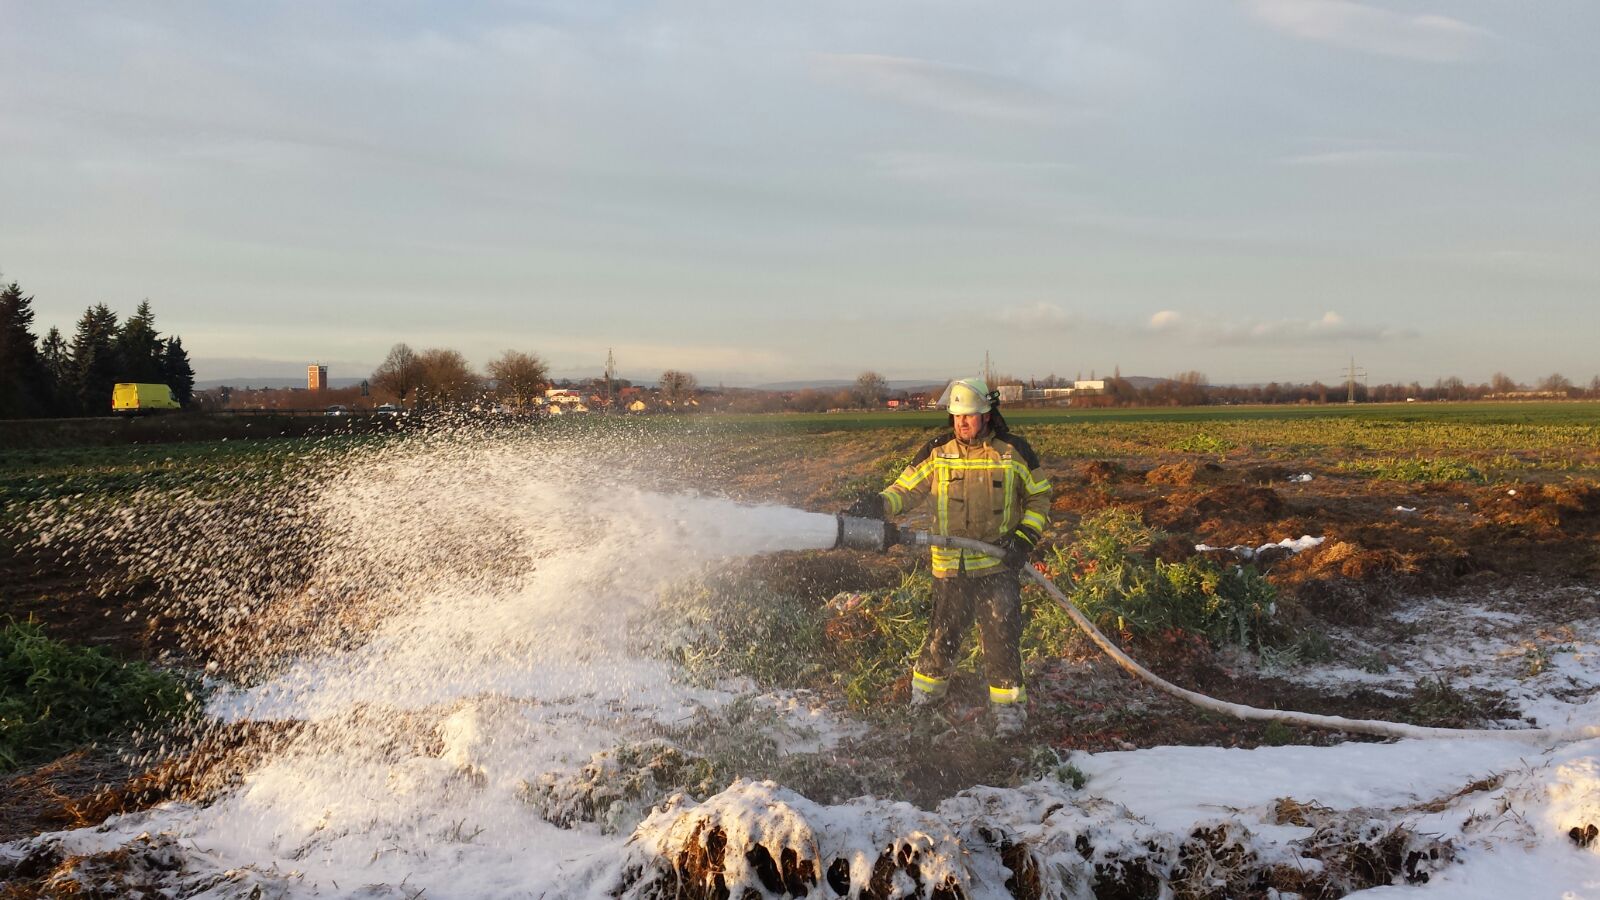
<point x="176" y="372"/>
<point x="94" y="360"/>
<point x="139" y="347"/>
<point x="24" y="382"/>
<point x="58" y="365"/>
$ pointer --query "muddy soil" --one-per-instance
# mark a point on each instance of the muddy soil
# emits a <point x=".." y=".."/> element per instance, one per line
<point x="1383" y="541"/>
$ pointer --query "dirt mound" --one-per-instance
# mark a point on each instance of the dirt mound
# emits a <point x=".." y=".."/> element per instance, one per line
<point x="1344" y="582"/>
<point x="142" y="869"/>
<point x="87" y="787"/>
<point x="1543" y="510"/>
<point x="1229" y="503"/>
<point x="1081" y="502"/>
<point x="1240" y="501"/>
<point x="757" y="840"/>
<point x="1183" y="474"/>
<point x="1101" y="471"/>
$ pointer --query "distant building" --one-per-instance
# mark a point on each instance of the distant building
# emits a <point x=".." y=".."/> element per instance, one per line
<point x="1097" y="386"/>
<point x="1010" y="393"/>
<point x="316" y="377"/>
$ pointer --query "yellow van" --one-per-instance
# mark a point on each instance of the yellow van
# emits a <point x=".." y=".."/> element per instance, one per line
<point x="138" y="398"/>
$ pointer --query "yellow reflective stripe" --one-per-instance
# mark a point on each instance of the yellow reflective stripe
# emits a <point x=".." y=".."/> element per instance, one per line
<point x="1018" y="694"/>
<point x="928" y="684"/>
<point x="1029" y="483"/>
<point x="914" y="475"/>
<point x="1011" y="481"/>
<point x="944" y="498"/>
<point x="949" y="463"/>
<point x="1035" y="519"/>
<point x="892" y="502"/>
<point x="950" y="555"/>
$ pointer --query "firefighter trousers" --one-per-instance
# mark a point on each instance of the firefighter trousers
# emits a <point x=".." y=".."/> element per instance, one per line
<point x="996" y="602"/>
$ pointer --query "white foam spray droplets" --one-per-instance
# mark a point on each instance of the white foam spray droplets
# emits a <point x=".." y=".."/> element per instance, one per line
<point x="452" y="614"/>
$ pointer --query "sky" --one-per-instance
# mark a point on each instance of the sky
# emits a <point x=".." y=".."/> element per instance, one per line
<point x="752" y="191"/>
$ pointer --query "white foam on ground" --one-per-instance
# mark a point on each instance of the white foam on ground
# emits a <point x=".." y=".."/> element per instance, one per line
<point x="1550" y="672"/>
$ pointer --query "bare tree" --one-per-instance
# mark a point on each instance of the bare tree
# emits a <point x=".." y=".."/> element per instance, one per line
<point x="445" y="378"/>
<point x="1501" y="383"/>
<point x="1189" y="388"/>
<point x="677" y="388"/>
<point x="1556" y="383"/>
<point x="870" y="389"/>
<point x="519" y="377"/>
<point x="399" y="373"/>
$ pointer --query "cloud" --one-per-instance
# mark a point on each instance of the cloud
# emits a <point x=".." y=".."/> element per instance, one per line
<point x="942" y="86"/>
<point x="1331" y="326"/>
<point x="1372" y="29"/>
<point x="1166" y="320"/>
<point x="1040" y="317"/>
<point x="1366" y="157"/>
<point x="943" y="168"/>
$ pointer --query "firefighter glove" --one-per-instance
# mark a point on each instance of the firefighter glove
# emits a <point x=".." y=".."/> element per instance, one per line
<point x="868" y="507"/>
<point x="1018" y="546"/>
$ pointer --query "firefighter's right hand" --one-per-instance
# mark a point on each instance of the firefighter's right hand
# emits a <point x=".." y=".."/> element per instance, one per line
<point x="868" y="507"/>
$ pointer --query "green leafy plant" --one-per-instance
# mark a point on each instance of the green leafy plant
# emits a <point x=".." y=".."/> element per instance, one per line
<point x="1203" y="442"/>
<point x="1107" y="574"/>
<point x="1276" y="734"/>
<point x="55" y="697"/>
<point x="1415" y="469"/>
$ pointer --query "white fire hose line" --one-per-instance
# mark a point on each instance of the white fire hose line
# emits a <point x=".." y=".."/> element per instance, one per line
<point x="1252" y="713"/>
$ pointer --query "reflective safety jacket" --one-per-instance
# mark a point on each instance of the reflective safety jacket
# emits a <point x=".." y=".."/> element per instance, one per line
<point x="983" y="490"/>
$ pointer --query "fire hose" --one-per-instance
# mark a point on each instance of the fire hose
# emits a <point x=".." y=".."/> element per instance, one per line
<point x="873" y="534"/>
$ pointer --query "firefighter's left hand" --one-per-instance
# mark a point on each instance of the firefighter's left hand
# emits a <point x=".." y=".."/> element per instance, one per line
<point x="870" y="506"/>
<point x="1017" y="549"/>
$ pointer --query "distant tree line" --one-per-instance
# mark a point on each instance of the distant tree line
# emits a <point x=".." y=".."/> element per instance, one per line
<point x="437" y="377"/>
<point x="1192" y="389"/>
<point x="56" y="377"/>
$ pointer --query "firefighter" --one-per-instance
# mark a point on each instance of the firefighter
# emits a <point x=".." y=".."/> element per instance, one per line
<point x="983" y="483"/>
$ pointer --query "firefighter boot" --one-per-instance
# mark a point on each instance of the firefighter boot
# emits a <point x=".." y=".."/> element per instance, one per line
<point x="927" y="693"/>
<point x="1008" y="710"/>
<point x="1010" y="719"/>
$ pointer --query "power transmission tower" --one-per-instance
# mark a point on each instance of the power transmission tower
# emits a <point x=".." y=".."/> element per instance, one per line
<point x="988" y="371"/>
<point x="1354" y="372"/>
<point x="611" y="373"/>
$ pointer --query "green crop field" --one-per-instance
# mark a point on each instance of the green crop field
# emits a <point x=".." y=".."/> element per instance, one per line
<point x="1414" y="442"/>
<point x="1521" y="413"/>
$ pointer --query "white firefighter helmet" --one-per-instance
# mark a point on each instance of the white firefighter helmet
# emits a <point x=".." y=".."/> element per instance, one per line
<point x="966" y="397"/>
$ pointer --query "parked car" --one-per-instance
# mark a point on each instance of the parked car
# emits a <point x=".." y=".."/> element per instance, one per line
<point x="389" y="409"/>
<point x="338" y="411"/>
